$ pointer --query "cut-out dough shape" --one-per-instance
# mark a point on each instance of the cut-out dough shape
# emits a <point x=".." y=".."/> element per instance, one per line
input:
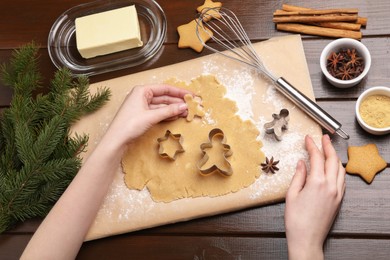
<point x="170" y="145"/>
<point x="278" y="124"/>
<point x="215" y="154"/>
<point x="194" y="108"/>
<point x="365" y="161"/>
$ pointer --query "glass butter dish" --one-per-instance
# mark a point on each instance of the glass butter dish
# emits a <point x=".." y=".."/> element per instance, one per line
<point x="62" y="38"/>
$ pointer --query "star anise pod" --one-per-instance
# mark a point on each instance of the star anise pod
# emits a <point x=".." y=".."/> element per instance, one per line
<point x="270" y="165"/>
<point x="334" y="61"/>
<point x="346" y="73"/>
<point x="346" y="64"/>
<point x="354" y="58"/>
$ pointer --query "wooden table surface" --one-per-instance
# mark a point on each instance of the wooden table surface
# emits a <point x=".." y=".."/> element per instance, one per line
<point x="361" y="230"/>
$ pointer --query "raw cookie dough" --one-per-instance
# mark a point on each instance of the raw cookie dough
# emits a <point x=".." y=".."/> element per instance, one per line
<point x="194" y="107"/>
<point x="170" y="180"/>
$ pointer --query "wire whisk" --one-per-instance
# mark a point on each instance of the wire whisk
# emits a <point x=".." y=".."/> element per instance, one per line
<point x="232" y="41"/>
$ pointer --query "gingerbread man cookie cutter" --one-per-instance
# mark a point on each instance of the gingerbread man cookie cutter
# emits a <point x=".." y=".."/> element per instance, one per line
<point x="224" y="167"/>
<point x="169" y="136"/>
<point x="278" y="124"/>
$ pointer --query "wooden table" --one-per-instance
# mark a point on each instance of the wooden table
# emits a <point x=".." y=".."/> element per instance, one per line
<point x="362" y="229"/>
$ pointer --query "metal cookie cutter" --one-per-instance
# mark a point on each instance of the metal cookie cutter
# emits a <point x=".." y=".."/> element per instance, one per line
<point x="174" y="137"/>
<point x="225" y="168"/>
<point x="277" y="125"/>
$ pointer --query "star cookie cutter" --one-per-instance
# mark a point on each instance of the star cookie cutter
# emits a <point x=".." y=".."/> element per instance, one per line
<point x="224" y="168"/>
<point x="173" y="137"/>
<point x="278" y="124"/>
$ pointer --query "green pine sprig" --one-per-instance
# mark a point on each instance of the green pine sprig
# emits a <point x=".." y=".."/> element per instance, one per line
<point x="38" y="157"/>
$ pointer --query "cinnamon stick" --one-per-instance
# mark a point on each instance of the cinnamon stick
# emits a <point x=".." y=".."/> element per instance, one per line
<point x="314" y="30"/>
<point x="314" y="19"/>
<point x="317" y="12"/>
<point x="362" y="21"/>
<point x="294" y="8"/>
<point x="340" y="25"/>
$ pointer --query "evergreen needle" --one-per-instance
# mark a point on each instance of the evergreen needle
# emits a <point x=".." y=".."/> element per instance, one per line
<point x="38" y="158"/>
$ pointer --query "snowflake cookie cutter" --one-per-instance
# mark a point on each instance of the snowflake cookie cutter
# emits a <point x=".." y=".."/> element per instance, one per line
<point x="278" y="124"/>
<point x="224" y="168"/>
<point x="166" y="138"/>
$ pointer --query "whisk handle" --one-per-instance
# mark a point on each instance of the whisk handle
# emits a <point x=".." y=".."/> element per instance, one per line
<point x="311" y="108"/>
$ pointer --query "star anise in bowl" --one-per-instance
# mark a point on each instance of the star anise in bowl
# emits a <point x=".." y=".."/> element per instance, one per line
<point x="269" y="165"/>
<point x="345" y="64"/>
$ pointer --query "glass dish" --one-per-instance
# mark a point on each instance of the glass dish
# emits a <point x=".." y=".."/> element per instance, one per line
<point x="62" y="38"/>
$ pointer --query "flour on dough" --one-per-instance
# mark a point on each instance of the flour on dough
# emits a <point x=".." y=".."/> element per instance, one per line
<point x="169" y="180"/>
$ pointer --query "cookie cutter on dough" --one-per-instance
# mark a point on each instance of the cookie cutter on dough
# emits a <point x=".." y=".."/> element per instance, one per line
<point x="227" y="170"/>
<point x="176" y="137"/>
<point x="278" y="124"/>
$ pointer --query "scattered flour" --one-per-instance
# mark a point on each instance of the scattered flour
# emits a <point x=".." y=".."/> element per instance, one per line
<point x="121" y="203"/>
<point x="238" y="83"/>
<point x="240" y="88"/>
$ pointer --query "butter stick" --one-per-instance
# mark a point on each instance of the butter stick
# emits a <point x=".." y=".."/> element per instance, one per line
<point x="108" y="32"/>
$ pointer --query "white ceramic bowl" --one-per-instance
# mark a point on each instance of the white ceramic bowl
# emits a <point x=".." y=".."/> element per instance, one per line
<point x="369" y="92"/>
<point x="336" y="46"/>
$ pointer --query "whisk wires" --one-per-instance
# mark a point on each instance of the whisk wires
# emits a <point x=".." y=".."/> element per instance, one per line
<point x="225" y="29"/>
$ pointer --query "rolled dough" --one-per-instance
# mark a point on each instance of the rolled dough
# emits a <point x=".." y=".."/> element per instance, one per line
<point x="125" y="210"/>
<point x="169" y="180"/>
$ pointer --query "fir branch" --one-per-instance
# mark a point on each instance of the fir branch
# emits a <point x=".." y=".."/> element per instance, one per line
<point x="23" y="74"/>
<point x="38" y="157"/>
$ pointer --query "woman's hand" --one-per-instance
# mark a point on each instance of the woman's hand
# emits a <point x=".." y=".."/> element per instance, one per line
<point x="313" y="201"/>
<point x="144" y="107"/>
<point x="62" y="232"/>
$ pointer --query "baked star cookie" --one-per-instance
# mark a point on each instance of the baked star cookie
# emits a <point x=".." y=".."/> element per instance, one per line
<point x="365" y="161"/>
<point x="188" y="37"/>
<point x="211" y="8"/>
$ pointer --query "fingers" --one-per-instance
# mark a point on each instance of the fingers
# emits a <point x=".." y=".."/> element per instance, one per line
<point x="316" y="157"/>
<point x="328" y="164"/>
<point x="341" y="179"/>
<point x="167" y="90"/>
<point x="331" y="160"/>
<point x="167" y="112"/>
<point x="299" y="179"/>
<point x="166" y="100"/>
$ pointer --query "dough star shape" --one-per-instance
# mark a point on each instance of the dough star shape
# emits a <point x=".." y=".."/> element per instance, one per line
<point x="194" y="108"/>
<point x="365" y="161"/>
<point x="170" y="145"/>
<point x="188" y="37"/>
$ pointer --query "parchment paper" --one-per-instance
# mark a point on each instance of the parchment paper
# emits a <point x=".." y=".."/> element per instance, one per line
<point x="125" y="210"/>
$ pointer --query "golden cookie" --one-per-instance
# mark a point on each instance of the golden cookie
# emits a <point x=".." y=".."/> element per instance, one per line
<point x="194" y="107"/>
<point x="210" y="13"/>
<point x="365" y="161"/>
<point x="188" y="37"/>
